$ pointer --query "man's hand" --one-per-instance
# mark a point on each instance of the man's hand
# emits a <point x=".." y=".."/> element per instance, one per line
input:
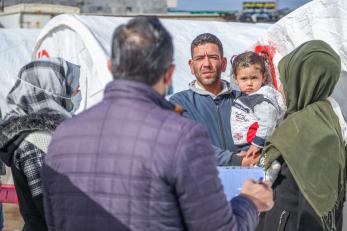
<point x="260" y="193"/>
<point x="249" y="160"/>
<point x="253" y="150"/>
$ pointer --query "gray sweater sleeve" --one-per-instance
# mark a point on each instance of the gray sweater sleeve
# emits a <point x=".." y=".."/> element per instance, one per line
<point x="226" y="157"/>
<point x="200" y="192"/>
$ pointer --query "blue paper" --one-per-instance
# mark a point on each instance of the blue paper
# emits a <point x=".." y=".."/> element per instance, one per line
<point x="233" y="177"/>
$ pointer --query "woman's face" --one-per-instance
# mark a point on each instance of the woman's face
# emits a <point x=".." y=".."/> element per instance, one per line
<point x="75" y="92"/>
<point x="70" y="102"/>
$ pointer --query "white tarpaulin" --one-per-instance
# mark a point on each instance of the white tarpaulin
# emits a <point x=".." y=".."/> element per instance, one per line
<point x="16" y="46"/>
<point x="320" y="19"/>
<point x="86" y="40"/>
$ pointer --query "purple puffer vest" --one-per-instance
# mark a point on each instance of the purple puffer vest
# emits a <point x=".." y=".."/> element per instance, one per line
<point x="131" y="163"/>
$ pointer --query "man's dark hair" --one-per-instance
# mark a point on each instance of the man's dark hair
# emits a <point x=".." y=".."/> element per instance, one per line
<point x="206" y="38"/>
<point x="142" y="50"/>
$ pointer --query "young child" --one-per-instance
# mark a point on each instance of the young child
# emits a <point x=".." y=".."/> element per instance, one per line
<point x="256" y="112"/>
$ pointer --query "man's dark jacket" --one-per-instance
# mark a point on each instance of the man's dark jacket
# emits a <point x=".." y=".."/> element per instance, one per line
<point x="213" y="112"/>
<point x="131" y="163"/>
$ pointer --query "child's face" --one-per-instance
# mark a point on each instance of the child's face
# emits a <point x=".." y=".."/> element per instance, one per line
<point x="250" y="79"/>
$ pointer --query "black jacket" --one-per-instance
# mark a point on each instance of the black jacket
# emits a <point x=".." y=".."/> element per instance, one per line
<point x="12" y="135"/>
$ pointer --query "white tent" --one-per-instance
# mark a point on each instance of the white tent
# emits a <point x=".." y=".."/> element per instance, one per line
<point x="16" y="47"/>
<point x="86" y="40"/>
<point x="320" y="19"/>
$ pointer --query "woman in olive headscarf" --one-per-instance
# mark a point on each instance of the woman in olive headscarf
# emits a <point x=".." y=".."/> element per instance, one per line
<point x="309" y="190"/>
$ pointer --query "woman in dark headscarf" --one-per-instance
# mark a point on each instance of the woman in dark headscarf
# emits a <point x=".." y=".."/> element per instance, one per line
<point x="309" y="190"/>
<point x="42" y="97"/>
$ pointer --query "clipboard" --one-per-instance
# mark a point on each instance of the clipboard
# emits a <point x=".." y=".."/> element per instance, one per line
<point x="232" y="178"/>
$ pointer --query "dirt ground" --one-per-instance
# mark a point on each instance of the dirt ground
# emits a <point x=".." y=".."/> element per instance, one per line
<point x="12" y="219"/>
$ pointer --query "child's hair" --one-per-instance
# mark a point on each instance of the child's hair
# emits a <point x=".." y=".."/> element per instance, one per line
<point x="247" y="59"/>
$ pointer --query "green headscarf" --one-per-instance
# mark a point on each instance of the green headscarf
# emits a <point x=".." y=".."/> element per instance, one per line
<point x="310" y="139"/>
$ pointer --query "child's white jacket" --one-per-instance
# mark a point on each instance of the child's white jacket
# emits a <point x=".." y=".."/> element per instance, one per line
<point x="255" y="116"/>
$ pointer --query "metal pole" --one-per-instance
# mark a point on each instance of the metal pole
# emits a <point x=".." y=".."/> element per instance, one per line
<point x="2" y="5"/>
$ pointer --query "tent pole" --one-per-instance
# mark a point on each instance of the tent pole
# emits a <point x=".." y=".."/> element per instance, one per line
<point x="2" y="5"/>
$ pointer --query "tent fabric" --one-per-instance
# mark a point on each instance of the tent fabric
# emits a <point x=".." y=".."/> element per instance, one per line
<point x="319" y="19"/>
<point x="86" y="40"/>
<point x="16" y="46"/>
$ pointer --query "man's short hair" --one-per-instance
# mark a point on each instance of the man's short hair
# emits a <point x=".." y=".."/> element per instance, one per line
<point x="142" y="50"/>
<point x="206" y="38"/>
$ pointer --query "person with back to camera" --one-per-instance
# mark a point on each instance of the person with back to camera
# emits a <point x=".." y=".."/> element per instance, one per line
<point x="132" y="162"/>
<point x="45" y="93"/>
<point x="259" y="108"/>
<point x="310" y="142"/>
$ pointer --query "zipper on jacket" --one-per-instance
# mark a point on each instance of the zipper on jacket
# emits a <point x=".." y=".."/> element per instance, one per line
<point x="279" y="228"/>
<point x="219" y="118"/>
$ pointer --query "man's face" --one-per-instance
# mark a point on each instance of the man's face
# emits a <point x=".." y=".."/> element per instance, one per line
<point x="207" y="64"/>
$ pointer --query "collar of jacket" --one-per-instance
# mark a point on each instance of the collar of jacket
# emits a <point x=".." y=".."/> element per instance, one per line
<point x="134" y="90"/>
<point x="225" y="89"/>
